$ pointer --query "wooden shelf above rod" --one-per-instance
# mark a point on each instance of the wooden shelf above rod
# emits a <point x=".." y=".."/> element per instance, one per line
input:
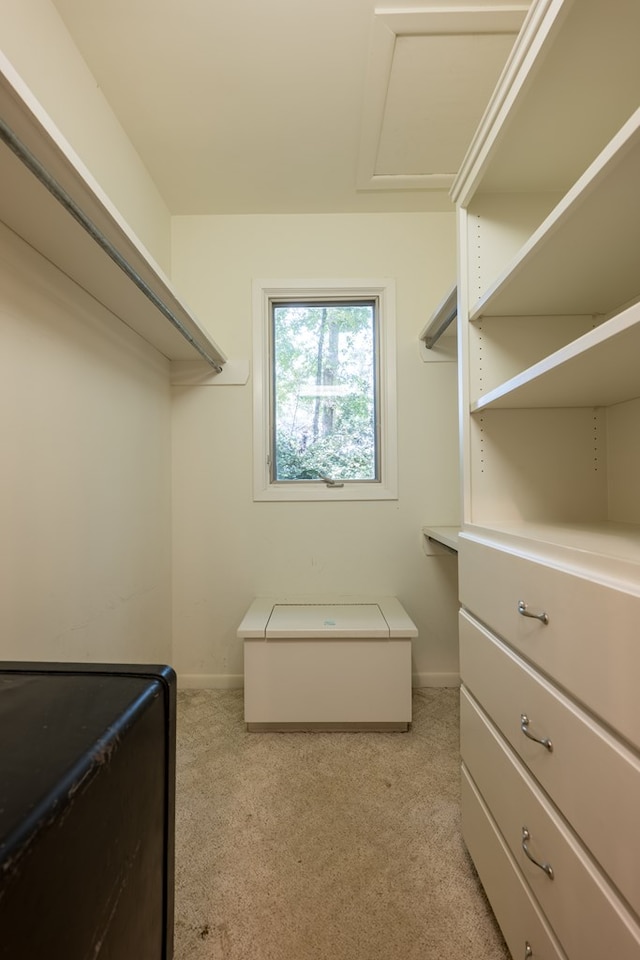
<point x="51" y="200"/>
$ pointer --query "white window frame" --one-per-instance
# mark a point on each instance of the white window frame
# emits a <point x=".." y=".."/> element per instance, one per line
<point x="264" y="291"/>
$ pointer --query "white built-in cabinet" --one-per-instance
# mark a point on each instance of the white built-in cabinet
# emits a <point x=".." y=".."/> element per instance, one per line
<point x="548" y="207"/>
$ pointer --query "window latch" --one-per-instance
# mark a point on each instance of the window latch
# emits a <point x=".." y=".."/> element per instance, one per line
<point x="329" y="482"/>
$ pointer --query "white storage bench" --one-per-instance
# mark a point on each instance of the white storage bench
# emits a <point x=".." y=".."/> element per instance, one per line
<point x="343" y="665"/>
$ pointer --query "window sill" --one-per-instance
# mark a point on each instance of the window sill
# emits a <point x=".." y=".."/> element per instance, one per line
<point x="321" y="492"/>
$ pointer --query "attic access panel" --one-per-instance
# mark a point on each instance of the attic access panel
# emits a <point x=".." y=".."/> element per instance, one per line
<point x="430" y="76"/>
<point x="438" y="90"/>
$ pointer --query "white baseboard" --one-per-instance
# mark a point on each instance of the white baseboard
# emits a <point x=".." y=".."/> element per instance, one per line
<point x="210" y="681"/>
<point x="235" y="681"/>
<point x="435" y="680"/>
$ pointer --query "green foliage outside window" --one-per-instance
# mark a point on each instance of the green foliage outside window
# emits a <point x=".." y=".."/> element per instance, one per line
<point x="324" y="405"/>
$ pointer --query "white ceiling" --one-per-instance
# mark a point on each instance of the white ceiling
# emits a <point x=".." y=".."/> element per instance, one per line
<point x="282" y="106"/>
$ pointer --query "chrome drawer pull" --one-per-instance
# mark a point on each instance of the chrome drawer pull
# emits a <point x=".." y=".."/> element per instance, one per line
<point x="548" y="869"/>
<point x="522" y="610"/>
<point x="524" y="726"/>
<point x="528" y="952"/>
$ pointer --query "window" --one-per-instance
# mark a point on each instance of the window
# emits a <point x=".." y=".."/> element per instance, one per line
<point x="324" y="390"/>
<point x="324" y="393"/>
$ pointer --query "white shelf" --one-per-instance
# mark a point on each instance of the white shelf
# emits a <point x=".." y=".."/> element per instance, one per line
<point x="444" y="537"/>
<point x="599" y="369"/>
<point x="583" y="257"/>
<point x="31" y="210"/>
<point x="607" y="552"/>
<point x="571" y="81"/>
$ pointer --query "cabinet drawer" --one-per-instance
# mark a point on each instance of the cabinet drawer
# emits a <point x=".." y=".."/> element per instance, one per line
<point x="587" y="917"/>
<point x="520" y="920"/>
<point x="590" y="646"/>
<point x="590" y="776"/>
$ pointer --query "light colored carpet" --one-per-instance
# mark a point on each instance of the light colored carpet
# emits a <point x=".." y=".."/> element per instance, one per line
<point x="323" y="846"/>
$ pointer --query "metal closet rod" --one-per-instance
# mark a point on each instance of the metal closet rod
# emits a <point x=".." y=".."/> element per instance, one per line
<point x="442" y="318"/>
<point x="51" y="184"/>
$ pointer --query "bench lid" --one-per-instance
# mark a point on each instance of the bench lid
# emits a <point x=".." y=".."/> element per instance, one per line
<point x="329" y="617"/>
<point x="317" y="621"/>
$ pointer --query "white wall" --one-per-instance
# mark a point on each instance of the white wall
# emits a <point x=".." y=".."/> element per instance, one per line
<point x="85" y="500"/>
<point x="85" y="547"/>
<point x="38" y="45"/>
<point x="228" y="549"/>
